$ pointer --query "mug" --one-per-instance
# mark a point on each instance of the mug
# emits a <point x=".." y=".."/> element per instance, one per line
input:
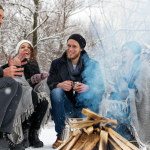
<point x="19" y="71"/>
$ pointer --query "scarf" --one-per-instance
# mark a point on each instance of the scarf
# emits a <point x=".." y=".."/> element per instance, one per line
<point x="75" y="75"/>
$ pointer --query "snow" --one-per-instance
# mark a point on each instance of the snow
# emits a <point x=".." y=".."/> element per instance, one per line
<point x="48" y="136"/>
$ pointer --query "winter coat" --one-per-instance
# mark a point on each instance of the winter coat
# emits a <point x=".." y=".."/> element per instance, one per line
<point x="91" y="75"/>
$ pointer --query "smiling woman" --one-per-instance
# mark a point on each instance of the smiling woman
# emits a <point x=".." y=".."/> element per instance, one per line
<point x="37" y="102"/>
<point x="26" y="46"/>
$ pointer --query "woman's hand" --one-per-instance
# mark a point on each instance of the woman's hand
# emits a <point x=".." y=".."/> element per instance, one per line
<point x="38" y="77"/>
<point x="17" y="61"/>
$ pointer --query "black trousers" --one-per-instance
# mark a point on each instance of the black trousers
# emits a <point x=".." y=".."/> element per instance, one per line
<point x="10" y="95"/>
<point x="36" y="118"/>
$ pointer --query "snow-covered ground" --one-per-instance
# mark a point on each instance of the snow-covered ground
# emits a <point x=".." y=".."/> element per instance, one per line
<point x="48" y="136"/>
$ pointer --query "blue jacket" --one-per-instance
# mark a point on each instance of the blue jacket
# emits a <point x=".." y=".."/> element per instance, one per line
<point x="91" y="75"/>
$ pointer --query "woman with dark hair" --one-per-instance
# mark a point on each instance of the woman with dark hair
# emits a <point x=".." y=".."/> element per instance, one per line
<point x="133" y="92"/>
<point x="38" y="103"/>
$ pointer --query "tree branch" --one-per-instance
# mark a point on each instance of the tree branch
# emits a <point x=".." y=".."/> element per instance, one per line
<point x="37" y="26"/>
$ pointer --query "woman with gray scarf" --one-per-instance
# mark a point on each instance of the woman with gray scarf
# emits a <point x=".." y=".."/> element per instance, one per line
<point x="34" y="107"/>
<point x="133" y="85"/>
<point x="40" y="101"/>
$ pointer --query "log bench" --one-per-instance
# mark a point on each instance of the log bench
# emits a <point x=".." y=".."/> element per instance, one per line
<point x="3" y="144"/>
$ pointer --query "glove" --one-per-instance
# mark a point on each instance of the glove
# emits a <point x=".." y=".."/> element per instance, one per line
<point x="38" y="77"/>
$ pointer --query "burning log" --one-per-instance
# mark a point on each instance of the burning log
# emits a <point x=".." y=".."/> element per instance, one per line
<point x="121" y="144"/>
<point x="64" y="143"/>
<point x="95" y="116"/>
<point x="103" y="140"/>
<point x="86" y="137"/>
<point x="92" y="141"/>
<point x="115" y="146"/>
<point x="122" y="139"/>
<point x="71" y="143"/>
<point x="88" y="130"/>
<point x="75" y="132"/>
<point x="81" y="142"/>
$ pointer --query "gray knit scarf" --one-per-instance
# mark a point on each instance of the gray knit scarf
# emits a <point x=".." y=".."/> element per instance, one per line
<point x="75" y="75"/>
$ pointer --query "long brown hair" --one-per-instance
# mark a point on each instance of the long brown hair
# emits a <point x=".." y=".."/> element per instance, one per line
<point x="33" y="57"/>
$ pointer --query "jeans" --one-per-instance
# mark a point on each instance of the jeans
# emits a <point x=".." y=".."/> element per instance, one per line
<point x="62" y="107"/>
<point x="10" y="95"/>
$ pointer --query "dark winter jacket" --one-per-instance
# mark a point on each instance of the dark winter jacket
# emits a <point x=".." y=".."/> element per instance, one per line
<point x="31" y="69"/>
<point x="91" y="75"/>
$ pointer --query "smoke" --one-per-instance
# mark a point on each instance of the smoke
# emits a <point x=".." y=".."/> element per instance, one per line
<point x="91" y="76"/>
<point x="115" y="23"/>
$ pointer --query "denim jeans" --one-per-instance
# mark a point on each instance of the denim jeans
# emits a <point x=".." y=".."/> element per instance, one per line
<point x="62" y="107"/>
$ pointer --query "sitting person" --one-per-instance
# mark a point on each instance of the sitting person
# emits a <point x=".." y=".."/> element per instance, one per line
<point x="10" y="96"/>
<point x="33" y="76"/>
<point x="134" y="86"/>
<point x="34" y="107"/>
<point x="68" y="100"/>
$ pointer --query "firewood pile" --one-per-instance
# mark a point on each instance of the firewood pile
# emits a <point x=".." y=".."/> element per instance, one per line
<point x="92" y="133"/>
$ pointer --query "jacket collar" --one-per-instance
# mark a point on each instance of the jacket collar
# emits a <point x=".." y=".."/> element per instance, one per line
<point x="84" y="54"/>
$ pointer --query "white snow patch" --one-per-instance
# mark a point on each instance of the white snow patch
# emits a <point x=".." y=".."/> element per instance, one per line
<point x="48" y="136"/>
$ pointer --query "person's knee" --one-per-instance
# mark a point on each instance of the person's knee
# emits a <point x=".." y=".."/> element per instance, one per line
<point x="57" y="95"/>
<point x="11" y="82"/>
<point x="44" y="104"/>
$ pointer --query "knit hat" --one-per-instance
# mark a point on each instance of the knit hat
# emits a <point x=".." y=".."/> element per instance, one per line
<point x="79" y="39"/>
<point x="1" y="7"/>
<point x="19" y="44"/>
<point x="134" y="46"/>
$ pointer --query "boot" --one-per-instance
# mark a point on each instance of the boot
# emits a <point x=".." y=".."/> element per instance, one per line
<point x="25" y="141"/>
<point x="34" y="139"/>
<point x="57" y="143"/>
<point x="12" y="145"/>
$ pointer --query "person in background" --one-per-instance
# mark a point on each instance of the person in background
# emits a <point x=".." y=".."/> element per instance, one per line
<point x="74" y="66"/>
<point x="10" y="95"/>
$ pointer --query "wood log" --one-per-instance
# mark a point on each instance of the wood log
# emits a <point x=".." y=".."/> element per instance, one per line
<point x="81" y="142"/>
<point x="95" y="116"/>
<point x="88" y="130"/>
<point x="65" y="142"/>
<point x="84" y="125"/>
<point x="97" y="130"/>
<point x="81" y="122"/>
<point x="71" y="143"/>
<point x="88" y="121"/>
<point x="122" y="139"/>
<point x="91" y="142"/>
<point x="115" y="146"/>
<point x="75" y="132"/>
<point x="103" y="140"/>
<point x="121" y="144"/>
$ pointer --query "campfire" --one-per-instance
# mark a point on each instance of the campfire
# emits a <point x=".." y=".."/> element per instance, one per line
<point x="95" y="132"/>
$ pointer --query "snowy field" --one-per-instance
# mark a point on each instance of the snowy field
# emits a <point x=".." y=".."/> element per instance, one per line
<point x="48" y="136"/>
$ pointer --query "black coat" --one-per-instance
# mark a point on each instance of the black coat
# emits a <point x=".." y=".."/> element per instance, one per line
<point x="91" y="75"/>
<point x="31" y="69"/>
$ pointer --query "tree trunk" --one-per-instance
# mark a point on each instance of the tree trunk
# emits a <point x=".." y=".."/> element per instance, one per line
<point x="36" y="2"/>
